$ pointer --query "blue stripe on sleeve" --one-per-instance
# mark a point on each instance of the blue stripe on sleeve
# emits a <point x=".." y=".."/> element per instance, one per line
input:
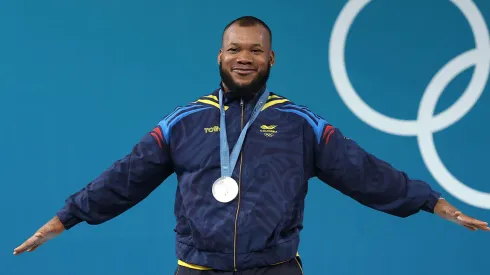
<point x="316" y="122"/>
<point x="181" y="112"/>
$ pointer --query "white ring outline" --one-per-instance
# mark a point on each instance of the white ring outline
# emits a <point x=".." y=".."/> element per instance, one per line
<point x="426" y="123"/>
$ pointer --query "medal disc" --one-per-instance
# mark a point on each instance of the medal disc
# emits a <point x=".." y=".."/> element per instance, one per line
<point x="225" y="189"/>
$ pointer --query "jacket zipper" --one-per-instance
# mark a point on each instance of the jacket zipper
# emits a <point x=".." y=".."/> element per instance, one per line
<point x="239" y="192"/>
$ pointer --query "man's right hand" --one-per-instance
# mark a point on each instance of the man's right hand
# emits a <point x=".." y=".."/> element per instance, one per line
<point x="48" y="231"/>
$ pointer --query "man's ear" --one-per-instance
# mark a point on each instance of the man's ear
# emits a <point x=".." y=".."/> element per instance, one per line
<point x="219" y="56"/>
<point x="272" y="58"/>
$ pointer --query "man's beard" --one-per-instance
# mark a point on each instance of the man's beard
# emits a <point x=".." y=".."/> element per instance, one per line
<point x="247" y="89"/>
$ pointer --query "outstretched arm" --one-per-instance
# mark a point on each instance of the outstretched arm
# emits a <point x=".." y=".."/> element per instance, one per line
<point x="344" y="165"/>
<point x="123" y="185"/>
<point x="120" y="187"/>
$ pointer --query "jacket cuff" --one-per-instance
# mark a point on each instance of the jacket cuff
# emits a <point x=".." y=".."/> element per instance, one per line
<point x="67" y="218"/>
<point x="431" y="201"/>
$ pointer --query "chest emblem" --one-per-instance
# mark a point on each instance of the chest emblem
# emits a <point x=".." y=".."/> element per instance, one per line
<point x="268" y="130"/>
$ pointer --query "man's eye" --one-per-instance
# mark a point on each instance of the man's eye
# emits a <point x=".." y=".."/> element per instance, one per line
<point x="257" y="51"/>
<point x="233" y="50"/>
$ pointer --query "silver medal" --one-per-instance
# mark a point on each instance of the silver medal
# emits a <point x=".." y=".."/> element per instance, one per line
<point x="225" y="189"/>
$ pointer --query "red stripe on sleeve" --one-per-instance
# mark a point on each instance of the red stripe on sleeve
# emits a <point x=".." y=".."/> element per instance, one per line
<point x="158" y="131"/>
<point x="156" y="137"/>
<point x="328" y="128"/>
<point x="328" y="136"/>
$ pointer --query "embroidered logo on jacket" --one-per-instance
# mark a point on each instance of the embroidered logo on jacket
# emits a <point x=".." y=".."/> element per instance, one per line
<point x="211" y="129"/>
<point x="268" y="130"/>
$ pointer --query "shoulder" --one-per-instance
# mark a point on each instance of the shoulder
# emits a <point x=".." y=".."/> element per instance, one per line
<point x="210" y="100"/>
<point x="202" y="103"/>
<point x="317" y="123"/>
<point x="275" y="101"/>
<point x="286" y="105"/>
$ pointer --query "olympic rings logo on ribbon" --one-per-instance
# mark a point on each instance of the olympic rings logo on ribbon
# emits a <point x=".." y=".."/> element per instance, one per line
<point x="426" y="123"/>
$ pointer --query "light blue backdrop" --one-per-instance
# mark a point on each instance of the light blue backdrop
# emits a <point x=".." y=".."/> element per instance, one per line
<point x="82" y="81"/>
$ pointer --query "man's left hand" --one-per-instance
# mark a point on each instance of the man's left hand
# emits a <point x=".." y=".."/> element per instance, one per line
<point x="450" y="213"/>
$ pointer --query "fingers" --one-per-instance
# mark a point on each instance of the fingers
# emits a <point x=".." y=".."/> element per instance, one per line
<point x="470" y="222"/>
<point x="48" y="231"/>
<point x="33" y="248"/>
<point x="449" y="212"/>
<point x="470" y="227"/>
<point x="22" y="248"/>
<point x="29" y="245"/>
<point x="480" y="225"/>
<point x="484" y="228"/>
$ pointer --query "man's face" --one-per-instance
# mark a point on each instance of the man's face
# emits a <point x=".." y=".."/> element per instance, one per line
<point x="245" y="58"/>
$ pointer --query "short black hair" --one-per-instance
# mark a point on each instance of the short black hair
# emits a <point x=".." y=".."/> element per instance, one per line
<point x="249" y="21"/>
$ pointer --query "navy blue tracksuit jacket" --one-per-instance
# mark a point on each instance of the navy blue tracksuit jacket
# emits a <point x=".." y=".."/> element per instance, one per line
<point x="286" y="146"/>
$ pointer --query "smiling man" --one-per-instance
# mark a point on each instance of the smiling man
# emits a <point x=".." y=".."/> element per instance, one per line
<point x="240" y="201"/>
<point x="245" y="74"/>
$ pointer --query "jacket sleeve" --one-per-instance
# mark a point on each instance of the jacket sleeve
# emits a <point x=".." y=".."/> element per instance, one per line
<point x="121" y="186"/>
<point x="344" y="165"/>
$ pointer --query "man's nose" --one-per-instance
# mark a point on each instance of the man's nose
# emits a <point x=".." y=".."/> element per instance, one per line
<point x="245" y="58"/>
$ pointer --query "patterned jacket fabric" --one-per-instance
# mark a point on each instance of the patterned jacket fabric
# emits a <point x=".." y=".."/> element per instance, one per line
<point x="286" y="146"/>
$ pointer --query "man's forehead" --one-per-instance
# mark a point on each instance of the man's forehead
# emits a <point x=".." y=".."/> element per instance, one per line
<point x="246" y="35"/>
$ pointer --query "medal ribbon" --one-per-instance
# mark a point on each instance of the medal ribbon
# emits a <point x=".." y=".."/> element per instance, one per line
<point x="228" y="161"/>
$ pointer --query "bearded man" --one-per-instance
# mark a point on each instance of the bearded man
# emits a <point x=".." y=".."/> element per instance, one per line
<point x="243" y="157"/>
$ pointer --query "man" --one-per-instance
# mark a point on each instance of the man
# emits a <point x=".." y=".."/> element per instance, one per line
<point x="240" y="208"/>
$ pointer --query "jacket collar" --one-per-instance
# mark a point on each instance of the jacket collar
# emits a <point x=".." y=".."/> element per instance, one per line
<point x="231" y="98"/>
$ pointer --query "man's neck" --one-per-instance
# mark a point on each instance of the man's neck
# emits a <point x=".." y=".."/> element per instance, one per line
<point x="250" y="94"/>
